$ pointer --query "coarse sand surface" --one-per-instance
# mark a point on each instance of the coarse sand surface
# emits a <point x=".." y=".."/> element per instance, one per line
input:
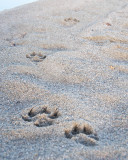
<point x="64" y="80"/>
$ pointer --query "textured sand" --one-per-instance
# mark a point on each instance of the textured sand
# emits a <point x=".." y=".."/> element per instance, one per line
<point x="73" y="56"/>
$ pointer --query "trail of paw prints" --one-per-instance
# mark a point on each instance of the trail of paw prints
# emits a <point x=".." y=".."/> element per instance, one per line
<point x="41" y="116"/>
<point x="83" y="134"/>
<point x="70" y="21"/>
<point x="34" y="57"/>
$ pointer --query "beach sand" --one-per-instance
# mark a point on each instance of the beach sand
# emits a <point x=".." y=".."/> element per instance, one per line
<point x="64" y="80"/>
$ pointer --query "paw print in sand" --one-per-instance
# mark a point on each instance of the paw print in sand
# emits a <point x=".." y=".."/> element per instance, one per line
<point x="41" y="116"/>
<point x="34" y="57"/>
<point x="70" y="21"/>
<point x="82" y="134"/>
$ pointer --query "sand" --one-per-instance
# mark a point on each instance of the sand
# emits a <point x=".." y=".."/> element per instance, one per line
<point x="64" y="81"/>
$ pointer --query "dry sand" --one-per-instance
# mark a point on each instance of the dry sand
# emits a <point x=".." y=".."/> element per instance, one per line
<point x="64" y="80"/>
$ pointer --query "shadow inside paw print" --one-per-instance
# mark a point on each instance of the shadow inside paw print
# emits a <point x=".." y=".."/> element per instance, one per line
<point x="82" y="134"/>
<point x="34" y="57"/>
<point x="70" y="21"/>
<point x="40" y="116"/>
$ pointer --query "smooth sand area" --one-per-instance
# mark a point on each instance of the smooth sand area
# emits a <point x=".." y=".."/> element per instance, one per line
<point x="64" y="81"/>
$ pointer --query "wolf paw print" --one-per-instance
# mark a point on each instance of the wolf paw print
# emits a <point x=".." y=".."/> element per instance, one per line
<point x="70" y="21"/>
<point x="34" y="57"/>
<point x="82" y="134"/>
<point x="40" y="116"/>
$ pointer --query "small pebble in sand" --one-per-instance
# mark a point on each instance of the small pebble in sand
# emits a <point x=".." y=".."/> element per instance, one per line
<point x="108" y="24"/>
<point x="111" y="67"/>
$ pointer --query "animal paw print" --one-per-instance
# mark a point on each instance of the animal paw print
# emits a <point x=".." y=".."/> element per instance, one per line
<point x="41" y="116"/>
<point x="82" y="134"/>
<point x="34" y="57"/>
<point x="70" y="21"/>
